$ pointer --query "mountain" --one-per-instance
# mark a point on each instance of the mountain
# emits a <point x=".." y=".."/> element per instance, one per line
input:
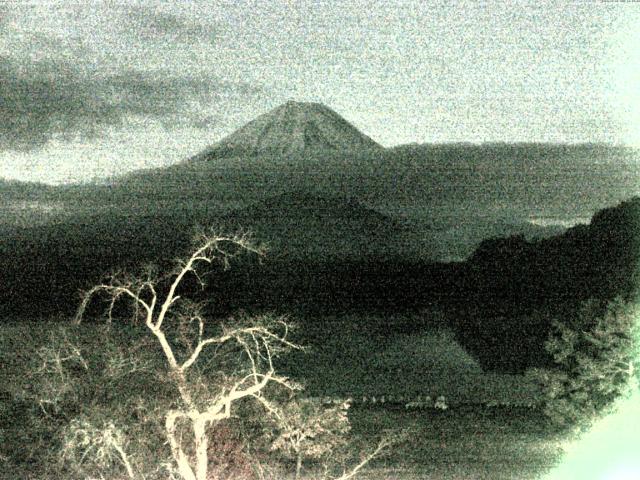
<point x="291" y="129"/>
<point x="450" y="184"/>
<point x="301" y="224"/>
<point x="17" y="190"/>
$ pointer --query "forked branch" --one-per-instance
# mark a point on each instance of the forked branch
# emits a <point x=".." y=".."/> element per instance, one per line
<point x="259" y="340"/>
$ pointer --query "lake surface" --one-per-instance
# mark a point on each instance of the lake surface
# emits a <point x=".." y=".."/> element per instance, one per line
<point x="543" y="221"/>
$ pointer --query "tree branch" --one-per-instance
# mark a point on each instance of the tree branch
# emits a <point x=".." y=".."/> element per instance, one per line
<point x="384" y="443"/>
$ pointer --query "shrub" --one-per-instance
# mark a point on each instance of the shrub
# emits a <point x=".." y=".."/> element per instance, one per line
<point x="309" y="430"/>
<point x="596" y="354"/>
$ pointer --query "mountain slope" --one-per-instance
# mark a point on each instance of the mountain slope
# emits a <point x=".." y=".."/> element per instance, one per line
<point x="291" y="129"/>
<point x="308" y="226"/>
<point x="17" y="190"/>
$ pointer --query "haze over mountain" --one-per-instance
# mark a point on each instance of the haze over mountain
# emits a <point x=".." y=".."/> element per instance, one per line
<point x="293" y="128"/>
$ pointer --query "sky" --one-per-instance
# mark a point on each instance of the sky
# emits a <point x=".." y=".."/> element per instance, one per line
<point x="90" y="89"/>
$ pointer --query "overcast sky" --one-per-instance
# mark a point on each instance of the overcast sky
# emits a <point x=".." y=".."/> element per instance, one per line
<point x="91" y="88"/>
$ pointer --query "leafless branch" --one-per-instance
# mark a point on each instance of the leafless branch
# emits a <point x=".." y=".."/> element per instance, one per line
<point x="384" y="443"/>
<point x="260" y="339"/>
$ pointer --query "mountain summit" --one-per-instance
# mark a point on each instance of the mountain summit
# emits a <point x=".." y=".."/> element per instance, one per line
<point x="290" y="129"/>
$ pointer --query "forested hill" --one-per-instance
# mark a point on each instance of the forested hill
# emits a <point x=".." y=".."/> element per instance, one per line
<point x="596" y="260"/>
<point x="514" y="288"/>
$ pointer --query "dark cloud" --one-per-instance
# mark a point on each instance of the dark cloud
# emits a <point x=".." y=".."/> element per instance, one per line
<point x="46" y="99"/>
<point x="39" y="101"/>
<point x="148" y="23"/>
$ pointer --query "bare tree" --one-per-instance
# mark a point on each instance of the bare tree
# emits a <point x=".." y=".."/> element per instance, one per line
<point x="309" y="430"/>
<point x="257" y="340"/>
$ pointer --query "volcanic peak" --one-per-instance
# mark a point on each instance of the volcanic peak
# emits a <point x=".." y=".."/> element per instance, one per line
<point x="293" y="128"/>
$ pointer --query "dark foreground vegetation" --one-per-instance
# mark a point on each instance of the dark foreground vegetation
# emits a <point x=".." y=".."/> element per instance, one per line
<point x="476" y="441"/>
<point x="95" y="382"/>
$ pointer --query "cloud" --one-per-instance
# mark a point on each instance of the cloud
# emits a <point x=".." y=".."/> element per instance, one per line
<point x="149" y="23"/>
<point x="46" y="99"/>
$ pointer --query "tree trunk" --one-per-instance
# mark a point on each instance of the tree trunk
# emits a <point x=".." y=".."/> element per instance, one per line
<point x="201" y="441"/>
<point x="298" y="465"/>
<point x="184" y="468"/>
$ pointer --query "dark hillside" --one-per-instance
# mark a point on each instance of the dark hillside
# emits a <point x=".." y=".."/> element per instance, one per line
<point x="306" y="226"/>
<point x="46" y="265"/>
<point x="500" y="302"/>
<point x="514" y="287"/>
<point x="13" y="190"/>
<point x="597" y="260"/>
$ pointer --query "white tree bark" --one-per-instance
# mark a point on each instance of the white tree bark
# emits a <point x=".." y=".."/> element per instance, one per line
<point x="257" y="342"/>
